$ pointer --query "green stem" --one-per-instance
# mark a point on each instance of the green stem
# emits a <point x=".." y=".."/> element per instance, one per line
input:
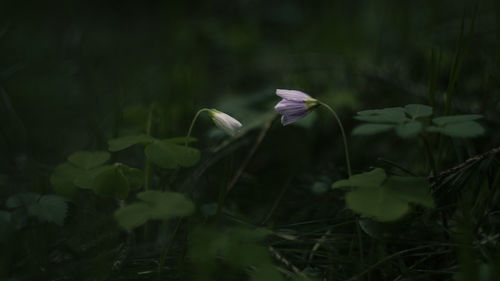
<point x="192" y="124"/>
<point x="346" y="150"/>
<point x="360" y="244"/>
<point x="168" y="245"/>
<point x="147" y="167"/>
<point x="430" y="157"/>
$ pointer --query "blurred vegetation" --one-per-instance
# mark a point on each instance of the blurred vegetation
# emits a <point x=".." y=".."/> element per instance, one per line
<point x="80" y="202"/>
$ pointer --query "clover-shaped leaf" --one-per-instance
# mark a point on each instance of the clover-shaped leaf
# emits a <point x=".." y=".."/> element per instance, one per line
<point x="108" y="181"/>
<point x="128" y="141"/>
<point x="62" y="179"/>
<point x="169" y="155"/>
<point x="382" y="197"/>
<point x="88" y="159"/>
<point x="463" y="126"/>
<point x="368" y="179"/>
<point x="154" y="205"/>
<point x="111" y="180"/>
<point x="402" y="120"/>
<point x="378" y="203"/>
<point x="408" y="130"/>
<point x="444" y="120"/>
<point x="371" y="129"/>
<point x="386" y="115"/>
<point x="418" y="110"/>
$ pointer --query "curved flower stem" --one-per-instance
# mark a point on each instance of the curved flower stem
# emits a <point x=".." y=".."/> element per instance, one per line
<point x="192" y="124"/>
<point x="343" y="136"/>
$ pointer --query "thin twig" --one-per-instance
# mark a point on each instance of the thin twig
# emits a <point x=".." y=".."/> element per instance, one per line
<point x="251" y="153"/>
<point x="419" y="262"/>
<point x="465" y="164"/>
<point x="283" y="260"/>
<point x="318" y="244"/>
<point x="387" y="258"/>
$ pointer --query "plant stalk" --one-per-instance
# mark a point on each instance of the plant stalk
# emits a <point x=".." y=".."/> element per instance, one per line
<point x="192" y="124"/>
<point x="344" y="138"/>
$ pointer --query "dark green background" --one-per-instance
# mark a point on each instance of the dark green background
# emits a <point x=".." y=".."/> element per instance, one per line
<point x="76" y="74"/>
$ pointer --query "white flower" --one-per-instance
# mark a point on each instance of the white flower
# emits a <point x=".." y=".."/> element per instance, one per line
<point x="225" y="122"/>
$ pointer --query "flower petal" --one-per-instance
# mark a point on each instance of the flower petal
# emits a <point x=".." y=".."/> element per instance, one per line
<point x="288" y="119"/>
<point x="290" y="107"/>
<point x="292" y="95"/>
<point x="226" y="122"/>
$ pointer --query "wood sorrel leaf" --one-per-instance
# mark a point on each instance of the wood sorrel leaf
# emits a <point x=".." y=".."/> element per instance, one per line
<point x="166" y="205"/>
<point x="408" y="130"/>
<point x="378" y="203"/>
<point x="371" y="129"/>
<point x="128" y="141"/>
<point x="467" y="129"/>
<point x="88" y="159"/>
<point x="181" y="140"/>
<point x="169" y="155"/>
<point x="440" y="121"/>
<point x="135" y="177"/>
<point x="110" y="182"/>
<point x="373" y="178"/>
<point x="410" y="189"/>
<point x="62" y="179"/>
<point x="418" y="110"/>
<point x="385" y="115"/>
<point x="154" y="205"/>
<point x="133" y="215"/>
<point x="383" y="198"/>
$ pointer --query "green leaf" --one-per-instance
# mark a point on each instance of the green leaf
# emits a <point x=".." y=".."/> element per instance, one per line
<point x="46" y="208"/>
<point x="166" y="205"/>
<point x="110" y="182"/>
<point x="62" y="179"/>
<point x="377" y="203"/>
<point x="86" y="179"/>
<point x="50" y="208"/>
<point x="88" y="159"/>
<point x="22" y="199"/>
<point x="370" y="129"/>
<point x="467" y="129"/>
<point x="373" y="178"/>
<point x="418" y="110"/>
<point x="441" y="121"/>
<point x="383" y="198"/>
<point x="181" y="140"/>
<point x="169" y="155"/>
<point x="135" y="177"/>
<point x="126" y="142"/>
<point x="409" y="130"/>
<point x="386" y="115"/>
<point x="411" y="190"/>
<point x="239" y="248"/>
<point x="133" y="215"/>
<point x="154" y="205"/>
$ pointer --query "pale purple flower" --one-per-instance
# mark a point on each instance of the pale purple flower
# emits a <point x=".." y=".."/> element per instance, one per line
<point x="294" y="106"/>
